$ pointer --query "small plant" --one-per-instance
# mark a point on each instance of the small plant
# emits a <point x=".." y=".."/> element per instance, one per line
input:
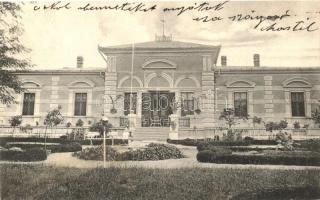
<point x="315" y="116"/>
<point x="271" y="126"/>
<point x="296" y="125"/>
<point x="26" y="128"/>
<point x="79" y="123"/>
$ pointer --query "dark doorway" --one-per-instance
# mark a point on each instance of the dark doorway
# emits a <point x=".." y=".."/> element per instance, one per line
<point x="156" y="108"/>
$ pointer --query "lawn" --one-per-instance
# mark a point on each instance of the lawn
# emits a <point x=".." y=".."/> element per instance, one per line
<point x="48" y="182"/>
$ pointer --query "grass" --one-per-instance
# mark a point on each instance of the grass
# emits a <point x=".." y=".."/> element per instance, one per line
<point x="48" y="182"/>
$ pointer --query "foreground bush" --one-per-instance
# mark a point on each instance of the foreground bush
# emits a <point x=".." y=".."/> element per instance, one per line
<point x="32" y="154"/>
<point x="152" y="151"/>
<point x="283" y="158"/>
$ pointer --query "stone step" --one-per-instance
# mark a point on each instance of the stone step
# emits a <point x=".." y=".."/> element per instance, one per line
<point x="151" y="133"/>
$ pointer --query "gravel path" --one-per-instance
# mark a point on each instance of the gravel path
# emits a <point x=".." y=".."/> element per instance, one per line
<point x="67" y="160"/>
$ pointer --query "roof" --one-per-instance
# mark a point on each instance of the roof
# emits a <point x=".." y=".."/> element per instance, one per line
<point x="159" y="45"/>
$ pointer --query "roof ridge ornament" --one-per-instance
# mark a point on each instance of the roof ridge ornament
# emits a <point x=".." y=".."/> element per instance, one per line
<point x="163" y="37"/>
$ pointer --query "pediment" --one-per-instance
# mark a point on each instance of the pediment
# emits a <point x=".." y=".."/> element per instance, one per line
<point x="81" y="84"/>
<point x="296" y="83"/>
<point x="30" y="84"/>
<point x="159" y="64"/>
<point x="240" y="84"/>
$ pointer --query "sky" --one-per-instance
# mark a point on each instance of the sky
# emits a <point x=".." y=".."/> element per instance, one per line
<point x="57" y="37"/>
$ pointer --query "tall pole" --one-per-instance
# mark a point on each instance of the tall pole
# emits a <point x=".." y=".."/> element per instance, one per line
<point x="104" y="146"/>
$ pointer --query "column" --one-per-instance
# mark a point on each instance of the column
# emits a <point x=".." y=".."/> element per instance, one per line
<point x="54" y="92"/>
<point x="268" y="98"/>
<point x="207" y="94"/>
<point x="110" y="85"/>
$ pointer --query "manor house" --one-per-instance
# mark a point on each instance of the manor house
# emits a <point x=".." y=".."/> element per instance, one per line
<point x="152" y="80"/>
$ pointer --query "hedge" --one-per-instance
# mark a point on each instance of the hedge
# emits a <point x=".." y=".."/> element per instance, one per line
<point x="246" y="142"/>
<point x="69" y="147"/>
<point x="4" y="140"/>
<point x="32" y="154"/>
<point x="313" y="159"/>
<point x="311" y="145"/>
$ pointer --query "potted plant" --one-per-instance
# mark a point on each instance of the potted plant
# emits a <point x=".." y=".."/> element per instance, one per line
<point x="113" y="110"/>
<point x="296" y="125"/>
<point x="198" y="111"/>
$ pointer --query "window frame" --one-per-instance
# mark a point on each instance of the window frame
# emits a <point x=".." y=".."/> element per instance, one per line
<point x="135" y="106"/>
<point x="80" y="112"/>
<point x="185" y="112"/>
<point x="246" y="100"/>
<point x="24" y="104"/>
<point x="304" y="104"/>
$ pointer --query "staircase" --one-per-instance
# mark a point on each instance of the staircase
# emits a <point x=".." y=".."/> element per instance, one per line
<point x="151" y="133"/>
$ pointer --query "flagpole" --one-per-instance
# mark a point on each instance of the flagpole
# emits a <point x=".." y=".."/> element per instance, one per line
<point x="132" y="63"/>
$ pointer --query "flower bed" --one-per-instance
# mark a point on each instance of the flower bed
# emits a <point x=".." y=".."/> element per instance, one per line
<point x="64" y="147"/>
<point x="271" y="157"/>
<point x="152" y="151"/>
<point x="32" y="154"/>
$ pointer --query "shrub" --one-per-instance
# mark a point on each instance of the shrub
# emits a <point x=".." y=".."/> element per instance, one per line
<point x="275" y="159"/>
<point x="96" y="153"/>
<point x="151" y="152"/>
<point x="68" y="147"/>
<point x="32" y="154"/>
<point x="155" y="151"/>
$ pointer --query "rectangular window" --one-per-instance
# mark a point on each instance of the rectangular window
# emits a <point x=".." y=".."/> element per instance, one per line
<point x="127" y="103"/>
<point x="297" y="104"/>
<point x="80" y="104"/>
<point x="28" y="103"/>
<point x="240" y="104"/>
<point x="187" y="101"/>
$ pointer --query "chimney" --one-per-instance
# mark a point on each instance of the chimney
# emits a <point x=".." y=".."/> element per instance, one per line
<point x="79" y="61"/>
<point x="256" y="60"/>
<point x="223" y="61"/>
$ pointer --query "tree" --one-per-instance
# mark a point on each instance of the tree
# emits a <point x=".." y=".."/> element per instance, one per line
<point x="15" y="121"/>
<point x="100" y="126"/>
<point x="10" y="48"/>
<point x="53" y="119"/>
<point x="230" y="118"/>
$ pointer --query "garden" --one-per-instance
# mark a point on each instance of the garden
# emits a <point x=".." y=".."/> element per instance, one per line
<point x="232" y="148"/>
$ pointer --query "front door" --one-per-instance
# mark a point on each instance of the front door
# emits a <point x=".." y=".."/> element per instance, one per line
<point x="156" y="108"/>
